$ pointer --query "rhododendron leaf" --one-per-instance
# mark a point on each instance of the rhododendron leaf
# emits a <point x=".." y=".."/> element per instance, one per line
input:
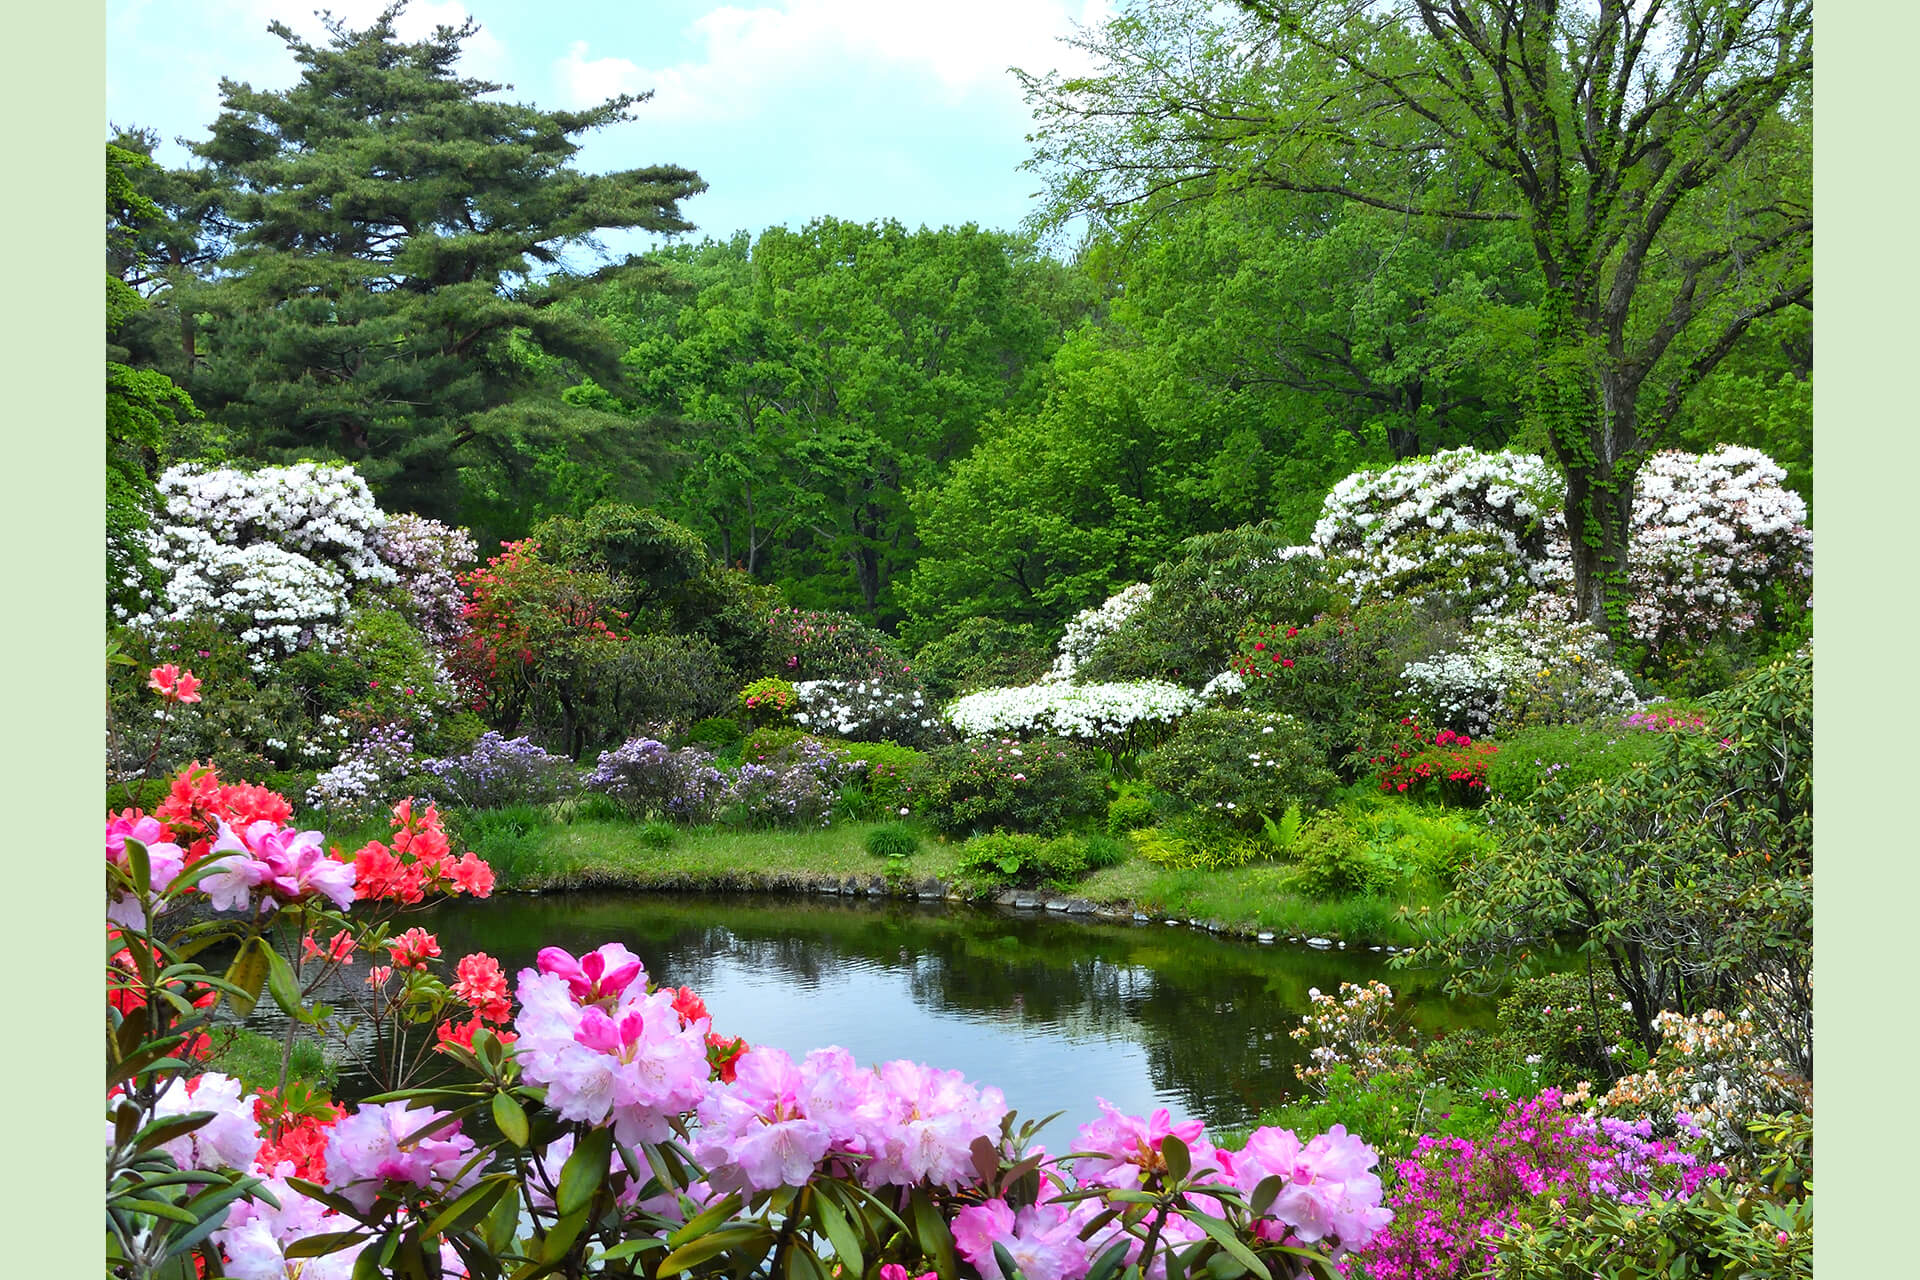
<point x="1108" y="1264"/>
<point x="846" y="1245"/>
<point x="314" y="1191"/>
<point x="246" y="976"/>
<point x="689" y="1256"/>
<point x="584" y="1171"/>
<point x="157" y="1209"/>
<point x="1008" y="1270"/>
<point x="932" y="1233"/>
<point x="1179" y="1161"/>
<point x="1265" y="1193"/>
<point x="1223" y="1235"/>
<point x="705" y="1221"/>
<point x="502" y="1225"/>
<point x="472" y="1206"/>
<point x="166" y="1130"/>
<point x="1225" y="1267"/>
<point x="511" y="1117"/>
<point x="629" y="1248"/>
<point x="326" y="1242"/>
<point x="284" y="987"/>
<point x="986" y="1158"/>
<point x="140" y="869"/>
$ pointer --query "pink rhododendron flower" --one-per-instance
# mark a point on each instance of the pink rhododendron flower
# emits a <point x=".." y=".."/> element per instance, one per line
<point x="286" y="865"/>
<point x="1043" y="1240"/>
<point x="164" y="860"/>
<point x="755" y="1134"/>
<point x="1128" y="1149"/>
<point x="1328" y="1186"/>
<point x="173" y="684"/>
<point x="231" y="1140"/>
<point x="255" y="1235"/>
<point x="412" y="949"/>
<point x="599" y="977"/>
<point x="928" y="1123"/>
<point x="383" y="1143"/>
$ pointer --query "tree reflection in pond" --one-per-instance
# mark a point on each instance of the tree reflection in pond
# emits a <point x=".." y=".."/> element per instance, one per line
<point x="1053" y="1011"/>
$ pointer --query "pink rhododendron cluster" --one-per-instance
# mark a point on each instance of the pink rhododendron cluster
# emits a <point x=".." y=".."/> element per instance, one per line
<point x="605" y="1049"/>
<point x="164" y="860"/>
<point x="269" y="866"/>
<point x="386" y="1142"/>
<point x="899" y="1125"/>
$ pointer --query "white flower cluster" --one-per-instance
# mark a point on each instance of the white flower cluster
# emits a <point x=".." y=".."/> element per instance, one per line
<point x="1484" y="519"/>
<point x="864" y="710"/>
<point x="1088" y="712"/>
<point x="1227" y="684"/>
<point x="1710" y="531"/>
<point x="1468" y="689"/>
<point x="1090" y="626"/>
<point x="273" y="551"/>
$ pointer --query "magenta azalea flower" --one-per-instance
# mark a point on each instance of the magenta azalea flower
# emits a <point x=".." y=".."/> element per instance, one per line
<point x="286" y="865"/>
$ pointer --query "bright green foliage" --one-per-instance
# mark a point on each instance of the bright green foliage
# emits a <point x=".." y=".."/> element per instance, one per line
<point x="1689" y="879"/>
<point x="715" y="732"/>
<point x="887" y="782"/>
<point x="1198" y="842"/>
<point x="893" y="840"/>
<point x="982" y="785"/>
<point x="1234" y="766"/>
<point x="1128" y="812"/>
<point x="1345" y="664"/>
<point x="1572" y="1021"/>
<point x="379" y="300"/>
<point x="1570" y="754"/>
<point x="982" y="653"/>
<point x="768" y="701"/>
<point x="1332" y="859"/>
<point x="1211" y="588"/>
<point x="1003" y="858"/>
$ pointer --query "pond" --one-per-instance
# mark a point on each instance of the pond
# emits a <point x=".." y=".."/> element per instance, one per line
<point x="1054" y="1011"/>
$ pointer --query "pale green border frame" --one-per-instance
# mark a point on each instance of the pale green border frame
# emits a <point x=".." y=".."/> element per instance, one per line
<point x="1867" y="443"/>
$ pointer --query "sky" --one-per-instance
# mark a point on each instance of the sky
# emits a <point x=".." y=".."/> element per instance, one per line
<point x="789" y="109"/>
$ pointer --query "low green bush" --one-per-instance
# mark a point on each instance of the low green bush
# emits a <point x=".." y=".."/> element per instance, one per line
<point x="254" y="1059"/>
<point x="1574" y="1026"/>
<point x="1572" y="754"/>
<point x="769" y="701"/>
<point x="762" y="745"/>
<point x="1332" y="859"/>
<point x="888" y="779"/>
<point x="1013" y="858"/>
<point x="656" y="835"/>
<point x="1103" y="851"/>
<point x="893" y="840"/>
<point x="1128" y="813"/>
<point x="982" y="653"/>
<point x="1195" y="842"/>
<point x="986" y="784"/>
<point x="1234" y="766"/>
<point x="715" y="732"/>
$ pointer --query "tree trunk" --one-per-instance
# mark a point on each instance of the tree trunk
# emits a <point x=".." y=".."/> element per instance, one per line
<point x="1589" y="411"/>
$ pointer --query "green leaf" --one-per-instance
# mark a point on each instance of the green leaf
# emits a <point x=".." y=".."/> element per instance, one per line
<point x="846" y="1245"/>
<point x="584" y="1172"/>
<point x="284" y="987"/>
<point x="1223" y="1235"/>
<point x="1179" y="1161"/>
<point x="246" y="975"/>
<point x="628" y="1248"/>
<point x="1108" y="1264"/>
<point x="511" y="1117"/>
<point x="688" y="1256"/>
<point x="326" y="1242"/>
<point x="930" y="1230"/>
<point x="705" y="1221"/>
<point x="471" y="1207"/>
<point x="140" y="867"/>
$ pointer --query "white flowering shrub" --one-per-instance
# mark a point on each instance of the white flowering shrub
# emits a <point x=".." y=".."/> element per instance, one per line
<point x="867" y="711"/>
<point x="1473" y="528"/>
<point x="1115" y="715"/>
<point x="356" y="786"/>
<point x="274" y="552"/>
<point x="1713" y="535"/>
<point x="1090" y="626"/>
<point x="1516" y="671"/>
<point x="1714" y="1072"/>
<point x="428" y="557"/>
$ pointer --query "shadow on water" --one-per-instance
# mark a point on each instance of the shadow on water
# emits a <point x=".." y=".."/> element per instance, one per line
<point x="1053" y="1011"/>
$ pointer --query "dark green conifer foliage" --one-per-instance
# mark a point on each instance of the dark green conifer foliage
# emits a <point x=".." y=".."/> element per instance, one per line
<point x="400" y="239"/>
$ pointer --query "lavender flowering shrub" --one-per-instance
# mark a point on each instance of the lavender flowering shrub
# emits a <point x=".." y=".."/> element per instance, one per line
<point x="500" y="771"/>
<point x="357" y="785"/>
<point x="646" y="776"/>
<point x="795" y="786"/>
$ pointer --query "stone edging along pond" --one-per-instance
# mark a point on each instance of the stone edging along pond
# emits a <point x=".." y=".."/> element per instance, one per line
<point x="928" y="889"/>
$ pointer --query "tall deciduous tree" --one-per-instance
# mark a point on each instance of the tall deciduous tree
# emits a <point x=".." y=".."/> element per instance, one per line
<point x="400" y="238"/>
<point x="1655" y="154"/>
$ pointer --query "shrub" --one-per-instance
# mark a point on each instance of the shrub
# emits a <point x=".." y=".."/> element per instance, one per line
<point x="1340" y="667"/>
<point x="893" y="710"/>
<point x="1203" y="595"/>
<point x="657" y="835"/>
<point x="1572" y="754"/>
<point x="981" y="653"/>
<point x="646" y="680"/>
<point x="887" y="777"/>
<point x="500" y="771"/>
<point x="647" y="777"/>
<point x="1412" y="761"/>
<point x="1086" y="629"/>
<point x="1121" y="718"/>
<point x="1196" y="842"/>
<point x="1332" y="859"/>
<point x="1570" y="1021"/>
<point x="1515" y="672"/>
<point x="893" y="840"/>
<point x="983" y="784"/>
<point x="1128" y="813"/>
<point x="762" y="745"/>
<point x="796" y="784"/>
<point x="1102" y="851"/>
<point x="769" y="701"/>
<point x="1235" y="766"/>
<point x="812" y="645"/>
<point x="715" y="732"/>
<point x="1007" y="858"/>
<point x="1412" y="842"/>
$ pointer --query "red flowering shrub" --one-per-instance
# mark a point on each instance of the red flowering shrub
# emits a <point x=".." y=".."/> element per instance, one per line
<point x="1420" y="764"/>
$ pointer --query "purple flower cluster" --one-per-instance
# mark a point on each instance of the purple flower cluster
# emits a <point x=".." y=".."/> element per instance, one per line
<point x="647" y="776"/>
<point x="797" y="784"/>
<point x="428" y="556"/>
<point x="1455" y="1199"/>
<point x="359" y="783"/>
<point x="501" y="771"/>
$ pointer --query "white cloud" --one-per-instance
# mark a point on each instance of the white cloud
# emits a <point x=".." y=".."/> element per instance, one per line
<point x="761" y="56"/>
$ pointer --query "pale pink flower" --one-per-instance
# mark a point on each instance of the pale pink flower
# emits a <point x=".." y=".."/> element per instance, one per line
<point x="1329" y="1188"/>
<point x="387" y="1142"/>
<point x="1043" y="1240"/>
<point x="164" y="860"/>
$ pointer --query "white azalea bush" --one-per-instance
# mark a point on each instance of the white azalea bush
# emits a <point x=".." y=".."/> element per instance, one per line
<point x="1114" y="715"/>
<point x="1090" y="626"/>
<point x="1472" y="528"/>
<point x="274" y="551"/>
<point x="1513" y="672"/>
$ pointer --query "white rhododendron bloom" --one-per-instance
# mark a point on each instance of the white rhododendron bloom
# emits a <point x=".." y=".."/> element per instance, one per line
<point x="1466" y="689"/>
<point x="1088" y="712"/>
<point x="1090" y="626"/>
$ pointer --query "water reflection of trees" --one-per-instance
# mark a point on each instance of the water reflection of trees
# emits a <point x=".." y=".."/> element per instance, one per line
<point x="1211" y="1017"/>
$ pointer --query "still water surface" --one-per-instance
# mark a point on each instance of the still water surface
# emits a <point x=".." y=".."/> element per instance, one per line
<point x="1054" y="1011"/>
